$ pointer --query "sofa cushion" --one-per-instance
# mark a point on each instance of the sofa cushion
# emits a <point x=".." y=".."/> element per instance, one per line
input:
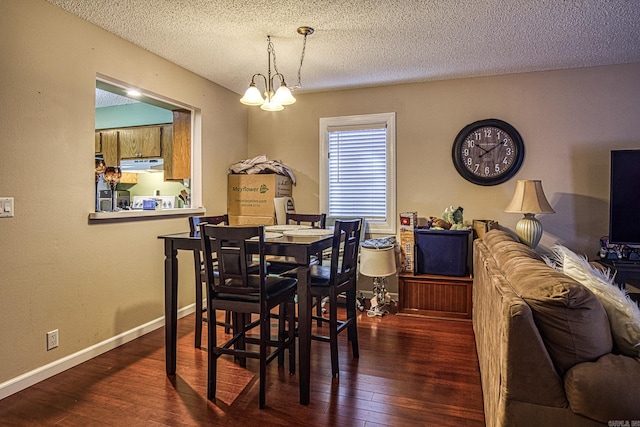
<point x="624" y="314"/>
<point x="604" y="390"/>
<point x="504" y="247"/>
<point x="572" y="322"/>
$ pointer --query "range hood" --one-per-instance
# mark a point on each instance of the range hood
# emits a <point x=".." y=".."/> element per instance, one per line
<point x="142" y="165"/>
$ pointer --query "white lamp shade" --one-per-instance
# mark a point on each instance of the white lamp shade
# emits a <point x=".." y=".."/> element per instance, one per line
<point x="376" y="262"/>
<point x="270" y="105"/>
<point x="283" y="96"/>
<point x="252" y="96"/>
<point x="529" y="197"/>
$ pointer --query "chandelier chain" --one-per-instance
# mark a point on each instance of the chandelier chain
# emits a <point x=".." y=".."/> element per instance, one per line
<point x="304" y="47"/>
<point x="272" y="50"/>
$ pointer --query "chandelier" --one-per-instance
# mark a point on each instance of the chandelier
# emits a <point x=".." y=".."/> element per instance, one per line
<point x="274" y="100"/>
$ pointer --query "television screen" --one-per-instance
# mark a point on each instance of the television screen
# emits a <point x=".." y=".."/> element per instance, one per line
<point x="624" y="198"/>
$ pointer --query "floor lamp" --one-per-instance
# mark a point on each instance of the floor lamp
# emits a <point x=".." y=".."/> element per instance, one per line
<point x="378" y="263"/>
<point x="529" y="199"/>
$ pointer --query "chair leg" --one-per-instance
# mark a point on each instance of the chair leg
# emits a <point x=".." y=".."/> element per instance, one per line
<point x="227" y="321"/>
<point x="333" y="331"/>
<point x="352" y="316"/>
<point x="319" y="311"/>
<point x="211" y="359"/>
<point x="239" y="326"/>
<point x="264" y="338"/>
<point x="291" y="315"/>
<point x="198" y="337"/>
<point x="282" y="332"/>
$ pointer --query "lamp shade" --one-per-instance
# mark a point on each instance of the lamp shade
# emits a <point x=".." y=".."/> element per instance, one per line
<point x="376" y="262"/>
<point x="252" y="96"/>
<point x="283" y="96"/>
<point x="529" y="198"/>
<point x="270" y="105"/>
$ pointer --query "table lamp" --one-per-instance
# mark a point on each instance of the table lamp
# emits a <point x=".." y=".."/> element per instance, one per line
<point x="529" y="199"/>
<point x="378" y="263"/>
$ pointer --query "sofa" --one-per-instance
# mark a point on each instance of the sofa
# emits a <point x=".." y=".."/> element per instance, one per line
<point x="546" y="350"/>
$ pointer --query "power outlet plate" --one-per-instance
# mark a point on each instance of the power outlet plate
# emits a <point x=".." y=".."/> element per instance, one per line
<point x="52" y="339"/>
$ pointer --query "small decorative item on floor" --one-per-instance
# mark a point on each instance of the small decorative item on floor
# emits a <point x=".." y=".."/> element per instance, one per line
<point x="112" y="176"/>
<point x="378" y="260"/>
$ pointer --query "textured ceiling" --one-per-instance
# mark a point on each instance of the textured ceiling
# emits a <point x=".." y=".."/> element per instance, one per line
<point x="360" y="43"/>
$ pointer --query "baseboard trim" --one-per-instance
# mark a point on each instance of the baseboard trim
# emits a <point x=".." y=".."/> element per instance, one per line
<point x="30" y="378"/>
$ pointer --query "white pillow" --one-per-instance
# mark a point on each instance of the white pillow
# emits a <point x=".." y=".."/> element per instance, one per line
<point x="623" y="313"/>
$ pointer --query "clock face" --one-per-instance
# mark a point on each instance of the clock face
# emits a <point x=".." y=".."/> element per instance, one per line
<point x="488" y="152"/>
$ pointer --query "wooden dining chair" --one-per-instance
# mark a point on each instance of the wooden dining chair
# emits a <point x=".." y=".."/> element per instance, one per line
<point x="239" y="288"/>
<point x="281" y="264"/>
<point x="201" y="278"/>
<point x="339" y="277"/>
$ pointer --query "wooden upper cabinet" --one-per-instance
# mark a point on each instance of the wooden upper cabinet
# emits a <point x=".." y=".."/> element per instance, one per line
<point x="176" y="146"/>
<point x="107" y="143"/>
<point x="140" y="142"/>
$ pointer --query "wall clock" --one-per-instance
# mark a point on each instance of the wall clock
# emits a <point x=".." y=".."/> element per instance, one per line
<point x="488" y="152"/>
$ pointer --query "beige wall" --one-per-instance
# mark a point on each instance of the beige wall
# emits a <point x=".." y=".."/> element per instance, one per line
<point x="90" y="281"/>
<point x="93" y="282"/>
<point x="569" y="120"/>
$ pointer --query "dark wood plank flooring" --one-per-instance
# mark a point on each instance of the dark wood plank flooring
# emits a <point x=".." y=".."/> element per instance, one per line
<point x="411" y="372"/>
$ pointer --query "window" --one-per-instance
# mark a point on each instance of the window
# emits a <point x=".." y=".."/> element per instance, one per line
<point x="358" y="169"/>
<point x="157" y="128"/>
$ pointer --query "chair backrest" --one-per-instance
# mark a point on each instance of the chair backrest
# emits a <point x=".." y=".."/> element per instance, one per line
<point x="346" y="235"/>
<point x="236" y="249"/>
<point x="315" y="220"/>
<point x="195" y="221"/>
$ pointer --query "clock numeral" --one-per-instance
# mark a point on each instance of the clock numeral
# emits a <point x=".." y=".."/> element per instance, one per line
<point x="487" y="133"/>
<point x="477" y="135"/>
<point x="508" y="153"/>
<point x="470" y="143"/>
<point x="497" y="167"/>
<point x="476" y="168"/>
<point x="465" y="152"/>
<point x="486" y="170"/>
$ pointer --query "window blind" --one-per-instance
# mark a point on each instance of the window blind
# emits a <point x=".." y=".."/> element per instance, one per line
<point x="358" y="171"/>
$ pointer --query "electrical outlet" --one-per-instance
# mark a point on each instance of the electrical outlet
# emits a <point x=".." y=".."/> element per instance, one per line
<point x="52" y="339"/>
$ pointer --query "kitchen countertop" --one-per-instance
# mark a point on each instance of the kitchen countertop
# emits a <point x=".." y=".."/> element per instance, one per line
<point x="125" y="215"/>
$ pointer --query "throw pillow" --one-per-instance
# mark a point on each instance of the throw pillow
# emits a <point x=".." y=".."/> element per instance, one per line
<point x="624" y="314"/>
<point x="572" y="322"/>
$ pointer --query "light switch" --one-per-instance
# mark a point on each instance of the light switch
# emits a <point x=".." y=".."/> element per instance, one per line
<point x="6" y="207"/>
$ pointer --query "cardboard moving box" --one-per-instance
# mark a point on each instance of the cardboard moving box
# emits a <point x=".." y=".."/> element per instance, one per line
<point x="251" y="220"/>
<point x="252" y="195"/>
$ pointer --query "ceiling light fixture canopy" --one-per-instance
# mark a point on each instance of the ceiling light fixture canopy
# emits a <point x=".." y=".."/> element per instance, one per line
<point x="274" y="99"/>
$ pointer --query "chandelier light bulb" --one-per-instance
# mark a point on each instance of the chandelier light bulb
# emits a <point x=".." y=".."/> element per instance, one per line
<point x="271" y="105"/>
<point x="283" y="96"/>
<point x="252" y="96"/>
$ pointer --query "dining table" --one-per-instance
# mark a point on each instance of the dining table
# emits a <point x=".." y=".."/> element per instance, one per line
<point x="298" y="250"/>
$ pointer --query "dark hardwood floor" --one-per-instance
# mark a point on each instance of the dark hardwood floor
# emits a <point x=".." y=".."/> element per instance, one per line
<point x="411" y="372"/>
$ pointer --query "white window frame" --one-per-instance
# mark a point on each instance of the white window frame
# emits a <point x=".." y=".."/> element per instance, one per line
<point x="387" y="226"/>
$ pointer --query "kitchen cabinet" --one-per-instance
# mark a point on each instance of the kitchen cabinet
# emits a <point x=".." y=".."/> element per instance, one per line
<point x="170" y="141"/>
<point x="107" y="145"/>
<point x="139" y="142"/>
<point x="176" y="146"/>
